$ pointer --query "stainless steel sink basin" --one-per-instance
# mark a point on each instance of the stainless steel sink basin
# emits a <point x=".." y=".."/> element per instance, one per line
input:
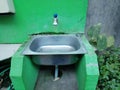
<point x="54" y="49"/>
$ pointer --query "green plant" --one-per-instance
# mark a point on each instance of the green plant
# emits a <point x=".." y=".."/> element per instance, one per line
<point x="109" y="67"/>
<point x="93" y="33"/>
<point x="110" y="41"/>
<point x="102" y="42"/>
<point x="99" y="40"/>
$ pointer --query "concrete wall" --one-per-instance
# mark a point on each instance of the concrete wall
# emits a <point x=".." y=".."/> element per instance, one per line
<point x="106" y="12"/>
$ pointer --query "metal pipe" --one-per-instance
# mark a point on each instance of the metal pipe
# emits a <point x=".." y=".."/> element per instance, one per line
<point x="56" y="73"/>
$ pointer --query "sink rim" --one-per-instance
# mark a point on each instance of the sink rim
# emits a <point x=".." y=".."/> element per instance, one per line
<point x="27" y="51"/>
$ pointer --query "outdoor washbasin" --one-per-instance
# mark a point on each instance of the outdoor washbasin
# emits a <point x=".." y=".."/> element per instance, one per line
<point x="54" y="49"/>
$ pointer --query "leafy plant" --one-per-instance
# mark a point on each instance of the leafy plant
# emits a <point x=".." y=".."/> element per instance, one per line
<point x="110" y="41"/>
<point x="102" y="42"/>
<point x="93" y="33"/>
<point x="99" y="40"/>
<point x="109" y="67"/>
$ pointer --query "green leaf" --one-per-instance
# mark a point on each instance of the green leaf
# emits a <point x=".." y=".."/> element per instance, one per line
<point x="102" y="42"/>
<point x="110" y="41"/>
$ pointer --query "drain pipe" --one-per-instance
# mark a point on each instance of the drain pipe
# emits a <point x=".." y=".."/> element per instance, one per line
<point x="56" y="73"/>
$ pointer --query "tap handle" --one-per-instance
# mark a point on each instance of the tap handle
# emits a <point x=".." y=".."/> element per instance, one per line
<point x="55" y="15"/>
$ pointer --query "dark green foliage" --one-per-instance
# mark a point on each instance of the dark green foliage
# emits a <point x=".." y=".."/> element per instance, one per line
<point x="109" y="67"/>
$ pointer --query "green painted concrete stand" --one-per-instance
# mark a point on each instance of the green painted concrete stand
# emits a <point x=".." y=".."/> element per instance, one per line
<point x="24" y="73"/>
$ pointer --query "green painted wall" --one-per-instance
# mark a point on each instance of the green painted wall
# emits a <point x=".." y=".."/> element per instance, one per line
<point x="35" y="16"/>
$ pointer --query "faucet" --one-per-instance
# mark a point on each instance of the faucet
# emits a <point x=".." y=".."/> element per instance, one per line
<point x="55" y="22"/>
